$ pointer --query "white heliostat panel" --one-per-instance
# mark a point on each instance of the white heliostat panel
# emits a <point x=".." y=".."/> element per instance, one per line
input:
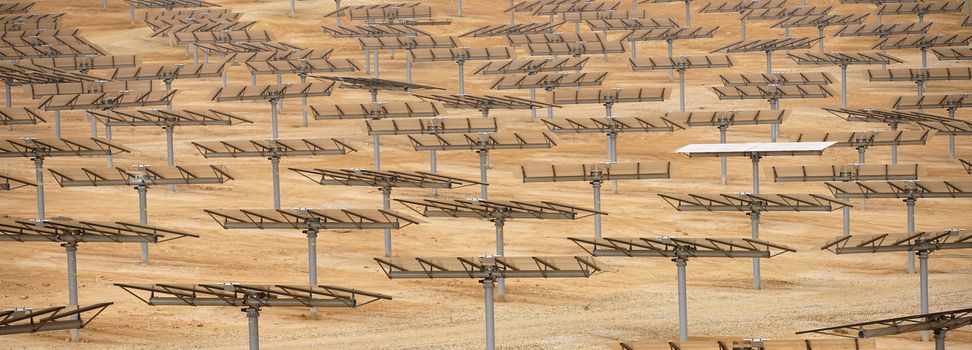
<point x="746" y="149"/>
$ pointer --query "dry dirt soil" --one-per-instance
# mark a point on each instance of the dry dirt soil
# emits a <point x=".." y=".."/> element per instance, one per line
<point x="635" y="300"/>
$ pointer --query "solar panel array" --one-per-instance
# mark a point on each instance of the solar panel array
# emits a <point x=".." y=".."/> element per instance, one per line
<point x="63" y="71"/>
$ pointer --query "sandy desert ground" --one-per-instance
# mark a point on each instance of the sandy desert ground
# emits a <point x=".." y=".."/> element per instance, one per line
<point x="635" y="300"/>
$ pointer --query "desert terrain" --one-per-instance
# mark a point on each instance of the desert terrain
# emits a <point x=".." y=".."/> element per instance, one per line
<point x="635" y="299"/>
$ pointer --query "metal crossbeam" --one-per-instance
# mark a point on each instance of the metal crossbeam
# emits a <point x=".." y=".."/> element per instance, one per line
<point x="142" y="176"/>
<point x="374" y="111"/>
<point x="72" y="231"/>
<point x="432" y="126"/>
<point x="41" y="147"/>
<point x="107" y="100"/>
<point x="27" y="320"/>
<point x="851" y="172"/>
<point x="383" y="179"/>
<point x="778" y="79"/>
<point x="252" y="295"/>
<point x="479" y="142"/>
<point x="273" y="148"/>
<point x="902" y="189"/>
<point x="938" y="321"/>
<point x="497" y="210"/>
<point x="490" y="267"/>
<point x="749" y="202"/>
<point x="679" y="247"/>
<point x="8" y="183"/>
<point x="21" y="116"/>
<point x="613" y="125"/>
<point x="311" y="219"/>
<point x="532" y="66"/>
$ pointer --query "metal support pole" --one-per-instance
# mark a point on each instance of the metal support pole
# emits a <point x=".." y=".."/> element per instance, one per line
<point x="490" y="331"/>
<point x="312" y="263"/>
<point x="432" y="169"/>
<point x="634" y="49"/>
<point x="253" y="79"/>
<point x="613" y="156"/>
<point x="57" y="123"/>
<point x="94" y="124"/>
<point x="513" y="14"/>
<point x="39" y="177"/>
<point x="337" y="6"/>
<point x="225" y="77"/>
<point x="681" y="90"/>
<point x="9" y="97"/>
<point x="253" y="316"/>
<point x="303" y="101"/>
<point x="195" y="55"/>
<point x="377" y="67"/>
<point x="894" y="146"/>
<point x="499" y="252"/>
<point x="483" y="164"/>
<point x="374" y="95"/>
<point x="670" y="71"/>
<point x="820" y="33"/>
<point x="634" y="5"/>
<point x="910" y="202"/>
<point x="688" y="13"/>
<point x="577" y="27"/>
<point x="860" y="154"/>
<point x="131" y="13"/>
<point x="769" y="62"/>
<point x="169" y="152"/>
<point x="533" y="110"/>
<point x="368" y="61"/>
<point x="205" y="55"/>
<point x="846" y="211"/>
<point x="71" y="249"/>
<point x="682" y="300"/>
<point x="774" y="128"/>
<point x="386" y="204"/>
<point x="951" y="137"/>
<point x="143" y="217"/>
<point x="550" y="113"/>
<point x="408" y="69"/>
<point x="293" y="8"/>
<point x="921" y="20"/>
<point x="722" y="139"/>
<point x="376" y="139"/>
<point x="755" y="158"/>
<point x="939" y="339"/>
<point x="742" y="28"/>
<point x="843" y="85"/>
<point x="273" y="118"/>
<point x="108" y="137"/>
<point x="754" y="218"/>
<point x="924" y="57"/>
<point x="607" y="109"/>
<point x="105" y="4"/>
<point x="923" y="278"/>
<point x="275" y="168"/>
<point x="462" y="87"/>
<point x="921" y="91"/>
<point x="597" y="207"/>
<point x="458" y="8"/>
